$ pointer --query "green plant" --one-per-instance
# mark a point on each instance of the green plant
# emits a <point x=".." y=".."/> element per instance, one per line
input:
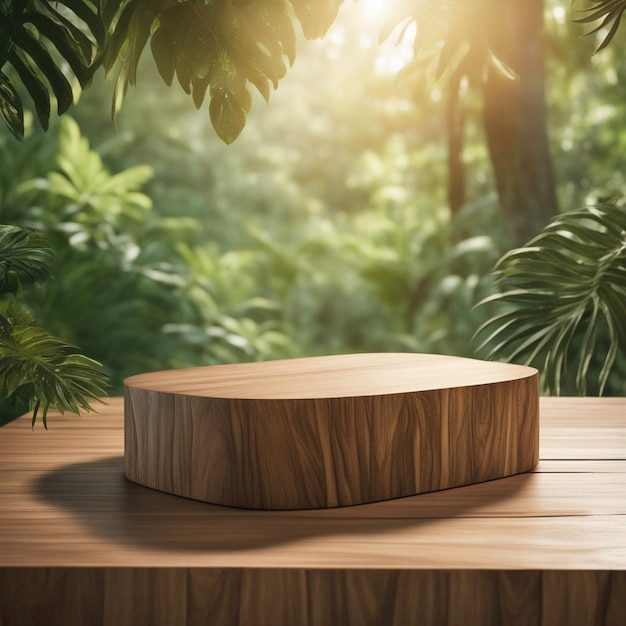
<point x="24" y="27"/>
<point x="609" y="12"/>
<point x="36" y="368"/>
<point x="221" y="47"/>
<point x="85" y="194"/>
<point x="114" y="257"/>
<point x="565" y="299"/>
<point x="232" y="321"/>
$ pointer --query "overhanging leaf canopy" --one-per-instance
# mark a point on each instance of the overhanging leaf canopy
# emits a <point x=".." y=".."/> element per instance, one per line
<point x="38" y="39"/>
<point x="219" y="46"/>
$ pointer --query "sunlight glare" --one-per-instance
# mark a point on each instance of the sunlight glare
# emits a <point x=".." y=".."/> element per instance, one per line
<point x="559" y="14"/>
<point x="373" y="10"/>
<point x="393" y="54"/>
<point x="359" y="24"/>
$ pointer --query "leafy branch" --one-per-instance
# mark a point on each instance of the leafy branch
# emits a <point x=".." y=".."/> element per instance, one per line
<point x="219" y="46"/>
<point x="564" y="291"/>
<point x="36" y="368"/>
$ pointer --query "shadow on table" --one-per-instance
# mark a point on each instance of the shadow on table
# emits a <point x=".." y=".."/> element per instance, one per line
<point x="110" y="506"/>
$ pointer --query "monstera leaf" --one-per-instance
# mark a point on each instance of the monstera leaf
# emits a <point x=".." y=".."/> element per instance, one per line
<point x="37" y="40"/>
<point x="219" y="46"/>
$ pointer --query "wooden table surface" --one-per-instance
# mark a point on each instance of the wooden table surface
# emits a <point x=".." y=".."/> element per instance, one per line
<point x="553" y="541"/>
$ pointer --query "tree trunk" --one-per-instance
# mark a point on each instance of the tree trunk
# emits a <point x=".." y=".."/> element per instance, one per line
<point x="455" y="124"/>
<point x="515" y="118"/>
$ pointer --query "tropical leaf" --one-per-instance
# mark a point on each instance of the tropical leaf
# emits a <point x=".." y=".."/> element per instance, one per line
<point x="84" y="195"/>
<point x="36" y="368"/>
<point x="563" y="293"/>
<point x="25" y="259"/>
<point x="38" y="40"/>
<point x="223" y="47"/>
<point x="609" y="13"/>
<point x="11" y="108"/>
<point x="43" y="371"/>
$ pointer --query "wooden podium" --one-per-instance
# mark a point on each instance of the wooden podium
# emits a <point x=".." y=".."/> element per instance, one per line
<point x="330" y="431"/>
<point x="82" y="546"/>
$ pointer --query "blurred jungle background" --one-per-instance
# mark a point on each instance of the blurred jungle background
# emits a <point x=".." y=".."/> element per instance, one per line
<point x="362" y="209"/>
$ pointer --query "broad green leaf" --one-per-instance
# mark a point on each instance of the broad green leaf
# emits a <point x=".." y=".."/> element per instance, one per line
<point x="48" y="68"/>
<point x="88" y="15"/>
<point x="227" y="116"/>
<point x="11" y="108"/>
<point x="35" y="87"/>
<point x="65" y="43"/>
<point x="85" y="44"/>
<point x="165" y="41"/>
<point x="118" y="37"/>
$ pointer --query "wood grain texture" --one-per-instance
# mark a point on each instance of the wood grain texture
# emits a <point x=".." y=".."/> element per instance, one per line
<point x="330" y="431"/>
<point x="249" y="597"/>
<point x="81" y="546"/>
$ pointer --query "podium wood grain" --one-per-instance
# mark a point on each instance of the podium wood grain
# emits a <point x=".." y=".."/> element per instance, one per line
<point x="330" y="431"/>
<point x="81" y="546"/>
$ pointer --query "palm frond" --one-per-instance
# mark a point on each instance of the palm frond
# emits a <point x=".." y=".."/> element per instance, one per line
<point x="43" y="371"/>
<point x="609" y="13"/>
<point x="25" y="259"/>
<point x="36" y="368"/>
<point x="562" y="293"/>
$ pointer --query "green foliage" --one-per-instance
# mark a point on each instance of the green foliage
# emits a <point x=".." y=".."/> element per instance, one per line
<point x="37" y="369"/>
<point x="90" y="195"/>
<point x="232" y="322"/>
<point x="610" y="13"/>
<point x="294" y="221"/>
<point x="133" y="290"/>
<point x="448" y="37"/>
<point x="323" y="229"/>
<point x="38" y="39"/>
<point x="565" y="297"/>
<point x="220" y="46"/>
<point x="116" y="289"/>
<point x="24" y="259"/>
<point x="420" y="264"/>
<point x="217" y="46"/>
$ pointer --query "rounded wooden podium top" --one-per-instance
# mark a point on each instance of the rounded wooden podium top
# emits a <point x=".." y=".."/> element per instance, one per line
<point x="329" y="431"/>
<point x="338" y="376"/>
